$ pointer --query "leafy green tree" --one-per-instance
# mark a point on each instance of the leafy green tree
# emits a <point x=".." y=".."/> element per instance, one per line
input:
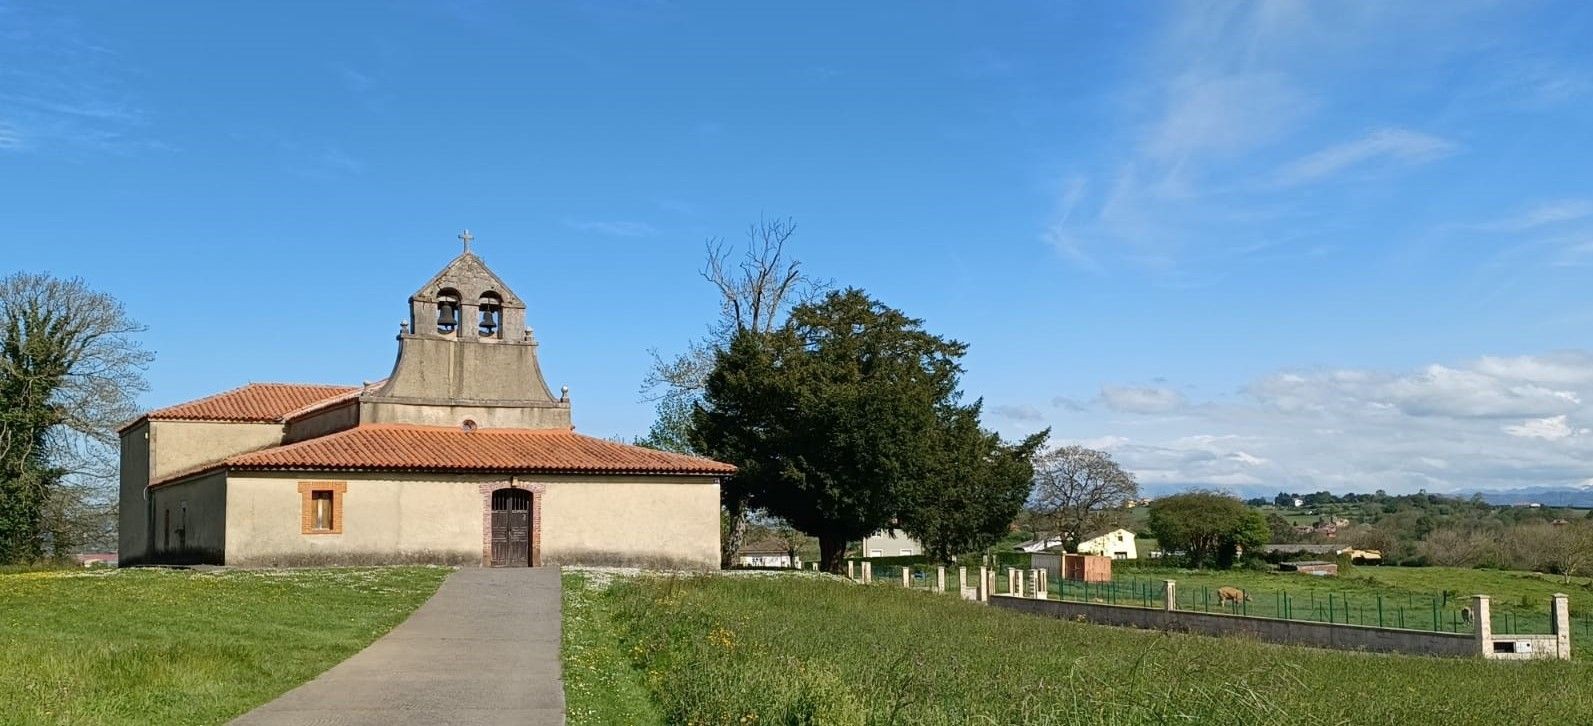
<point x="839" y="417"/>
<point x="69" y="368"/>
<point x="1210" y="528"/>
<point x="974" y="490"/>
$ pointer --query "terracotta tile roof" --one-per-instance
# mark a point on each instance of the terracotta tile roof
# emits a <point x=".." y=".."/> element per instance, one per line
<point x="256" y="402"/>
<point x="402" y="447"/>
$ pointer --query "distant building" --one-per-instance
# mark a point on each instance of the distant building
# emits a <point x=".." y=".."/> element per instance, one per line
<point x="890" y="543"/>
<point x="1116" y="543"/>
<point x="767" y="553"/>
<point x="91" y="559"/>
<point x="1310" y="567"/>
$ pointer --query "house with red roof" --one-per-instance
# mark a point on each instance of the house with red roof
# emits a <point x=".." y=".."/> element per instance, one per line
<point x="463" y="455"/>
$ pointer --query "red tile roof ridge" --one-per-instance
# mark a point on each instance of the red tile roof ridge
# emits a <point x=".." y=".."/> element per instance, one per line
<point x="186" y="409"/>
<point x="355" y="393"/>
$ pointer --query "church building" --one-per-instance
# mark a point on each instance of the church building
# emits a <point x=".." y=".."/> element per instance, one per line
<point x="462" y="456"/>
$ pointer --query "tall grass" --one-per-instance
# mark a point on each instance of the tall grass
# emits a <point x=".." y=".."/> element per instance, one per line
<point x="180" y="647"/>
<point x="810" y="650"/>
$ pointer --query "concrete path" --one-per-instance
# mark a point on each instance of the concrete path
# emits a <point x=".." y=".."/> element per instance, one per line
<point x="483" y="650"/>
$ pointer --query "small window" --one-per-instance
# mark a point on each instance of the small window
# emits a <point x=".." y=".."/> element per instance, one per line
<point x="322" y="511"/>
<point x="875" y="553"/>
<point x="907" y="552"/>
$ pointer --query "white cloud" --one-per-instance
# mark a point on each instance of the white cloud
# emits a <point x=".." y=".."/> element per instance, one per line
<point x="1383" y="146"/>
<point x="1552" y="428"/>
<point x="1147" y="399"/>
<point x="1491" y="422"/>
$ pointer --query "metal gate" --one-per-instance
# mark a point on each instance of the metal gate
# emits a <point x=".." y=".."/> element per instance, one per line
<point x="511" y="528"/>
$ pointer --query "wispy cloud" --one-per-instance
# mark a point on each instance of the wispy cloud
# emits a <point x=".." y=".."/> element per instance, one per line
<point x="73" y="94"/>
<point x="1386" y="147"/>
<point x="1019" y="412"/>
<point x="1141" y="399"/>
<point x="613" y="228"/>
<point x="1543" y="214"/>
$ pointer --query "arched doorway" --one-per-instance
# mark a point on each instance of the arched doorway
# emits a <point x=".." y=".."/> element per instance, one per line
<point x="511" y="528"/>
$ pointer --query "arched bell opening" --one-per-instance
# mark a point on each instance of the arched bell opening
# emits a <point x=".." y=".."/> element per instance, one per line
<point x="448" y="311"/>
<point x="490" y="316"/>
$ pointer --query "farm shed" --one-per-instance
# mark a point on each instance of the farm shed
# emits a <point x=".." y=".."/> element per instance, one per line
<point x="1310" y="567"/>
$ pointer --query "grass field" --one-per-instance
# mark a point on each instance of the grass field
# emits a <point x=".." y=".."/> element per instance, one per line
<point x="183" y="647"/>
<point x="794" y="649"/>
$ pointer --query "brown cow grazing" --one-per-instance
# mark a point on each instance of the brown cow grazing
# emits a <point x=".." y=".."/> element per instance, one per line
<point x="1231" y="594"/>
<point x="1465" y="615"/>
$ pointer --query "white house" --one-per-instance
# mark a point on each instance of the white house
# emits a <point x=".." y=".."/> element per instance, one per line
<point x="890" y="543"/>
<point x="767" y="553"/>
<point x="1117" y="544"/>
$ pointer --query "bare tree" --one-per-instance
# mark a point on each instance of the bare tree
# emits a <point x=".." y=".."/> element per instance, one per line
<point x="758" y="284"/>
<point x="1078" y="489"/>
<point x="70" y="368"/>
<point x="1566" y="549"/>
<point x="1457" y="547"/>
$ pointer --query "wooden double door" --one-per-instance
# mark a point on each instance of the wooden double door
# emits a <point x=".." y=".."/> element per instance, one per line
<point x="511" y="528"/>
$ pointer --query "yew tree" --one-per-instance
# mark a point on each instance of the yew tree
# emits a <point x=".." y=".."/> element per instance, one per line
<point x="839" y="417"/>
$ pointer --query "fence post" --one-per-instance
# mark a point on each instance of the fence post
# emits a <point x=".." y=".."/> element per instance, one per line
<point x="851" y="569"/>
<point x="940" y="578"/>
<point x="982" y="590"/>
<point x="1560" y="624"/>
<point x="907" y="575"/>
<point x="868" y="572"/>
<point x="1011" y="579"/>
<point x="962" y="579"/>
<point x="1482" y="616"/>
<point x="1170" y="595"/>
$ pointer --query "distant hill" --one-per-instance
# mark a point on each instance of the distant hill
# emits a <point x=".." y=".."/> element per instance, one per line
<point x="1547" y="496"/>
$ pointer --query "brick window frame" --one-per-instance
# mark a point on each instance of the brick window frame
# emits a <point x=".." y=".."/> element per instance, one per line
<point x="307" y="491"/>
<point x="486" y="491"/>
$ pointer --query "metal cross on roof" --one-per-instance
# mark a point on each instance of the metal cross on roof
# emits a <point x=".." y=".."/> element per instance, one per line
<point x="465" y="237"/>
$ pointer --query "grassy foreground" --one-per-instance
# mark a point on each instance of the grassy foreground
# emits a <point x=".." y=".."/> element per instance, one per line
<point x="182" y="647"/>
<point x="809" y="650"/>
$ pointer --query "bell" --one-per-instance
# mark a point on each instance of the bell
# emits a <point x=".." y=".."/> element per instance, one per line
<point x="489" y="321"/>
<point x="447" y="316"/>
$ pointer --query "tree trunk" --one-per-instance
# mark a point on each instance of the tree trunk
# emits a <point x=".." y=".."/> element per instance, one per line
<point x="734" y="534"/>
<point x="832" y="553"/>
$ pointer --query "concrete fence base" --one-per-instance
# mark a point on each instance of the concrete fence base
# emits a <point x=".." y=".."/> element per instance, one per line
<point x="1321" y="635"/>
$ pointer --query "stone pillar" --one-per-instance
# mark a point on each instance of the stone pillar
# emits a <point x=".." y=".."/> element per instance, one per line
<point x="1042" y="584"/>
<point x="1169" y="595"/>
<point x="940" y="578"/>
<point x="1012" y="577"/>
<point x="982" y="589"/>
<point x="907" y="576"/>
<point x="851" y="569"/>
<point x="868" y="572"/>
<point x="962" y="579"/>
<point x="1560" y="624"/>
<point x="1482" y="617"/>
<point x="1015" y="585"/>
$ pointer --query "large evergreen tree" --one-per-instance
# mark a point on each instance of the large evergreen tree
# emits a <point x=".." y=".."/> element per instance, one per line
<point x="844" y="415"/>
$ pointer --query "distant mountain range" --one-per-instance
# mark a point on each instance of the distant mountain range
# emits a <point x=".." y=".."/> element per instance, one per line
<point x="1561" y="496"/>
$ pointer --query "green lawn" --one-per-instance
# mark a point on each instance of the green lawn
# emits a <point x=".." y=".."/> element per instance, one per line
<point x="184" y="647"/>
<point x="799" y="650"/>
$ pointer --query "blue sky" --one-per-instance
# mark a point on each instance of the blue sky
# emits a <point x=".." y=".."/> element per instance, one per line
<point x="1290" y="245"/>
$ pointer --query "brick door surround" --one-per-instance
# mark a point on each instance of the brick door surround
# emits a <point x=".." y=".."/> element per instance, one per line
<point x="486" y="491"/>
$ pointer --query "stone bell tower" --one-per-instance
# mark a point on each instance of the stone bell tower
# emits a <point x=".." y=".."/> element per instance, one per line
<point x="466" y="357"/>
